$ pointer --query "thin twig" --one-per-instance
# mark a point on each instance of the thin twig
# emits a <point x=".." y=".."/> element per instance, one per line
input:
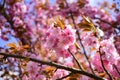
<point x="2" y="5"/>
<point x="75" y="59"/>
<point x="104" y="66"/>
<point x="116" y="69"/>
<point x="77" y="32"/>
<point x="113" y="25"/>
<point x="20" y="70"/>
<point x="73" y="70"/>
<point x="65" y="76"/>
<point x="103" y="21"/>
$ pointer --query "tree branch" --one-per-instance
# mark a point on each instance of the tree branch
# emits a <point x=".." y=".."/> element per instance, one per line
<point x="78" y="34"/>
<point x="103" y="21"/>
<point x="73" y="70"/>
<point x="2" y="5"/>
<point x="65" y="76"/>
<point x="104" y="66"/>
<point x="116" y="69"/>
<point x="75" y="59"/>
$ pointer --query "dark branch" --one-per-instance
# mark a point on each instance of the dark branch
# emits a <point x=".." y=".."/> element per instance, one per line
<point x="103" y="21"/>
<point x="73" y="70"/>
<point x="75" y="59"/>
<point x="116" y="69"/>
<point x="2" y="4"/>
<point x="103" y="65"/>
<point x="78" y="34"/>
<point x="65" y="76"/>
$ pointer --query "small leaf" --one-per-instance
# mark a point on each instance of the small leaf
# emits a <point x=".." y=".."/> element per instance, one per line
<point x="49" y="72"/>
<point x="77" y="45"/>
<point x="87" y="24"/>
<point x="86" y="29"/>
<point x="113" y="5"/>
<point x="12" y="45"/>
<point x="11" y="2"/>
<point x="81" y="3"/>
<point x="102" y="74"/>
<point x="48" y="69"/>
<point x="17" y="47"/>
<point x="26" y="47"/>
<point x="53" y="57"/>
<point x="73" y="77"/>
<point x="93" y="49"/>
<point x="59" y="23"/>
<point x="41" y="5"/>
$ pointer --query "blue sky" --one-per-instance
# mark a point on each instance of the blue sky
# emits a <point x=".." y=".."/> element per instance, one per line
<point x="3" y="43"/>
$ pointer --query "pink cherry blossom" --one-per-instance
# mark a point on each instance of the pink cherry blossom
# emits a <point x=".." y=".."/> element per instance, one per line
<point x="60" y="40"/>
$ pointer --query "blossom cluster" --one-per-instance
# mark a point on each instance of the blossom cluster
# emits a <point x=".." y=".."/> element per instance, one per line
<point x="93" y="46"/>
<point x="60" y="40"/>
